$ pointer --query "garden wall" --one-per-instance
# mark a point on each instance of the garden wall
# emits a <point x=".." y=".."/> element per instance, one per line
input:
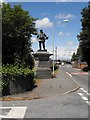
<point x="19" y="85"/>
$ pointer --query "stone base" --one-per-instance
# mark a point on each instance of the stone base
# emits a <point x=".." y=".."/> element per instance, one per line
<point x="42" y="50"/>
<point x="42" y="64"/>
<point x="44" y="73"/>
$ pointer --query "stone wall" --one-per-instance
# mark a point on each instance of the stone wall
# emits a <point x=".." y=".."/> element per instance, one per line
<point x="19" y="85"/>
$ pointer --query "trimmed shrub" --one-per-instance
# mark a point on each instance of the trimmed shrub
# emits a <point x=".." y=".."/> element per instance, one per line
<point x="16" y="77"/>
<point x="55" y="67"/>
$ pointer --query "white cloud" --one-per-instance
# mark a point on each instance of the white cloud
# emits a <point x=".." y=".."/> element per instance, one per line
<point x="64" y="16"/>
<point x="68" y="34"/>
<point x="70" y="43"/>
<point x="61" y="34"/>
<point x="44" y="23"/>
<point x="2" y="1"/>
<point x="64" y="52"/>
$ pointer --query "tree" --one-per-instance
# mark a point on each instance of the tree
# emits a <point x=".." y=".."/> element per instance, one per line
<point x="17" y="29"/>
<point x="78" y="53"/>
<point x="84" y="36"/>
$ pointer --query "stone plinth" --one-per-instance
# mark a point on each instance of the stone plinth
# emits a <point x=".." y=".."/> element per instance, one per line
<point x="42" y="64"/>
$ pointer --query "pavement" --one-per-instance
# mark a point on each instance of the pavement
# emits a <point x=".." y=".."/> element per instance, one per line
<point x="62" y="84"/>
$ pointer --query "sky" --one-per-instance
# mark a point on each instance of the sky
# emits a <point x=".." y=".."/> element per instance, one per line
<point x="51" y="18"/>
<point x="44" y="0"/>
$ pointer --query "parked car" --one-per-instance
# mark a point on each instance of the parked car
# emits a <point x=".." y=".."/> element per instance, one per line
<point x="63" y="64"/>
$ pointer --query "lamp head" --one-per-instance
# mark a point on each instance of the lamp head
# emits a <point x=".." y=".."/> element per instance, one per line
<point x="66" y="20"/>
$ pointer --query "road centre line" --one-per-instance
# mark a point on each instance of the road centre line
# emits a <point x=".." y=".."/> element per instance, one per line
<point x="72" y="78"/>
<point x="15" y="112"/>
<point x="69" y="74"/>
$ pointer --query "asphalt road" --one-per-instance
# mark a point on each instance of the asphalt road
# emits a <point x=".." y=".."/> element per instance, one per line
<point x="68" y="106"/>
<point x="82" y="78"/>
<point x="72" y="105"/>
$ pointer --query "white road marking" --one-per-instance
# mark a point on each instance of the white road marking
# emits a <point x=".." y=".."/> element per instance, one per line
<point x="6" y="107"/>
<point x="88" y="102"/>
<point x="15" y="112"/>
<point x="84" y="98"/>
<point x="72" y="77"/>
<point x="81" y="88"/>
<point x="88" y="93"/>
<point x="80" y="94"/>
<point x="69" y="74"/>
<point x="85" y="91"/>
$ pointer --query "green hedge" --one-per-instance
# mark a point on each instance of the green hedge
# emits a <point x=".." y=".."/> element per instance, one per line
<point x="10" y="72"/>
<point x="55" y="67"/>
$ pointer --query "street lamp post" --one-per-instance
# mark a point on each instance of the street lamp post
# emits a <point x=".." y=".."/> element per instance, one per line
<point x="53" y="42"/>
<point x="53" y="47"/>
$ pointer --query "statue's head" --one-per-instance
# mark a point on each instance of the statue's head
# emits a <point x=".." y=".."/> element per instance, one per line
<point x="41" y="30"/>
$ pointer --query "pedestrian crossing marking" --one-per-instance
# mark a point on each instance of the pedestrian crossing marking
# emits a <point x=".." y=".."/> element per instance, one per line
<point x="88" y="102"/>
<point x="85" y="91"/>
<point x="15" y="112"/>
<point x="80" y="94"/>
<point x="88" y="93"/>
<point x="83" y="97"/>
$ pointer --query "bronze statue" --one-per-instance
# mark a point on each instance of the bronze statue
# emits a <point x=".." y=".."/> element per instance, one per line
<point x="42" y="37"/>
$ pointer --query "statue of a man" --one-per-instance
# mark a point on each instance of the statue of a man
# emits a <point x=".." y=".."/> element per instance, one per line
<point x="42" y="37"/>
